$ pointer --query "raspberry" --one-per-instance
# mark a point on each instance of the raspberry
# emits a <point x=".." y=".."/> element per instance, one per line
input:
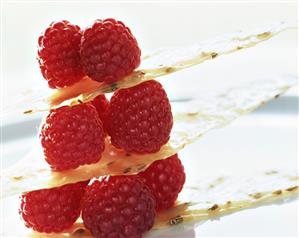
<point x="139" y="119"/>
<point x="59" y="54"/>
<point x="72" y="136"/>
<point x="52" y="210"/>
<point x="165" y="178"/>
<point x="118" y="206"/>
<point x="101" y="104"/>
<point x="109" y="51"/>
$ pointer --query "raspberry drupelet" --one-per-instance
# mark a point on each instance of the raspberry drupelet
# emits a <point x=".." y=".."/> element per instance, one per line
<point x="54" y="209"/>
<point x="118" y="206"/>
<point x="139" y="119"/>
<point x="72" y="136"/>
<point x="109" y="51"/>
<point x="59" y="54"/>
<point x="165" y="178"/>
<point x="101" y="104"/>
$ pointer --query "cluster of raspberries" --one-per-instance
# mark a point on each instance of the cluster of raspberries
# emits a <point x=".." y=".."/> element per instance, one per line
<point x="137" y="120"/>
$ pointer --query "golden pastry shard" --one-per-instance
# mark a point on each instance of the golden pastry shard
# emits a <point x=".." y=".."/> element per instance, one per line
<point x="157" y="64"/>
<point x="191" y="120"/>
<point x="212" y="198"/>
<point x="166" y="61"/>
<point x="201" y="200"/>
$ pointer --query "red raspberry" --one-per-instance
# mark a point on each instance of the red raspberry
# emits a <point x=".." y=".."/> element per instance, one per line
<point x="101" y="104"/>
<point x="59" y="54"/>
<point x="118" y="206"/>
<point x="52" y="210"/>
<point x="139" y="119"/>
<point x="165" y="178"/>
<point x="109" y="51"/>
<point x="72" y="136"/>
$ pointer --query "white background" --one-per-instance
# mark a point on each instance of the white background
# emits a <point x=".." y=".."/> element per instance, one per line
<point x="155" y="25"/>
<point x="255" y="142"/>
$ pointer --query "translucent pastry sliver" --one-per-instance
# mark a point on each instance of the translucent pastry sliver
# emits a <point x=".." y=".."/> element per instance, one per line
<point x="192" y="120"/>
<point x="169" y="60"/>
<point x="159" y="63"/>
<point x="201" y="200"/>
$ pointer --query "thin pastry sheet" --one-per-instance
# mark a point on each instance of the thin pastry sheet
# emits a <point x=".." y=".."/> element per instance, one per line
<point x="204" y="199"/>
<point x="191" y="120"/>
